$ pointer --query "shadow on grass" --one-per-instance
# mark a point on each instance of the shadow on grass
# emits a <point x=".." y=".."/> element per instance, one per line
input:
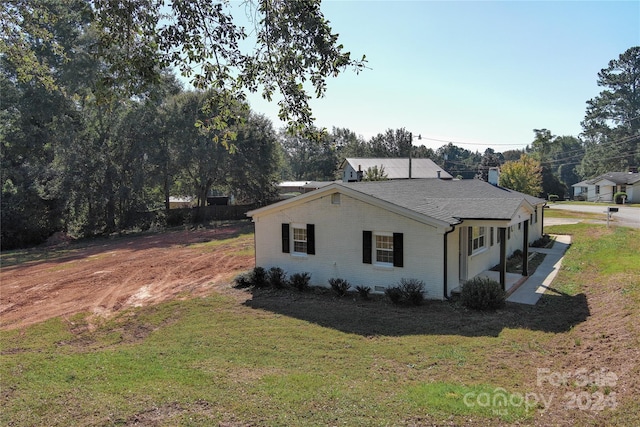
<point x="554" y="313"/>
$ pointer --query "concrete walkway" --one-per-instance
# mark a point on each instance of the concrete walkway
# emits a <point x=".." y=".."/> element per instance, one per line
<point x="530" y="291"/>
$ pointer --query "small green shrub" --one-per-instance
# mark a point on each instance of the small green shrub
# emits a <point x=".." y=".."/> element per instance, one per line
<point x="256" y="278"/>
<point x="482" y="293"/>
<point x="339" y="286"/>
<point x="580" y="197"/>
<point x="412" y="290"/>
<point x="394" y="294"/>
<point x="363" y="291"/>
<point x="300" y="281"/>
<point x="542" y="242"/>
<point x="259" y="277"/>
<point x="553" y="198"/>
<point x="243" y="281"/>
<point x="277" y="278"/>
<point x="620" y="197"/>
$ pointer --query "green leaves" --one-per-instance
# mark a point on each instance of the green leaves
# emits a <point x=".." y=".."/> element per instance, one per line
<point x="612" y="119"/>
<point x="524" y="175"/>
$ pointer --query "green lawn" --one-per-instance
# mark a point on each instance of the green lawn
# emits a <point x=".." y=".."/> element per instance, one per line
<point x="288" y="358"/>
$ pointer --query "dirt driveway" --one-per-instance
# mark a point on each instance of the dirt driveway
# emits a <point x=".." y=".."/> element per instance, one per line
<point x="108" y="275"/>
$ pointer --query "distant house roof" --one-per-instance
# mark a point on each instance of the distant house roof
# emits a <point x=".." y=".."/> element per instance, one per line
<point x="181" y="199"/>
<point x="293" y="183"/>
<point x="620" y="178"/>
<point x="581" y="184"/>
<point x="398" y="168"/>
<point x="314" y="185"/>
<point x="302" y="186"/>
<point x="446" y="201"/>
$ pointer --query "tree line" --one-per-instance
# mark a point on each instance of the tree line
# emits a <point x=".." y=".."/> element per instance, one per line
<point x="96" y="130"/>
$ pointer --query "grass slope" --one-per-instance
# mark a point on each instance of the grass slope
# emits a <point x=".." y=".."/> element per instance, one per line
<point x="288" y="358"/>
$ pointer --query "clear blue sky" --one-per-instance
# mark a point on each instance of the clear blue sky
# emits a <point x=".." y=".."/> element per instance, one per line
<point x="479" y="74"/>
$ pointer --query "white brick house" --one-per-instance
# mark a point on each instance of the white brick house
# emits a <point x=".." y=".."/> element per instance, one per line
<point x="374" y="234"/>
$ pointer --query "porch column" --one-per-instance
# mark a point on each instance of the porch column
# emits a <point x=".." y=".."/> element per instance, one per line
<point x="503" y="256"/>
<point x="525" y="249"/>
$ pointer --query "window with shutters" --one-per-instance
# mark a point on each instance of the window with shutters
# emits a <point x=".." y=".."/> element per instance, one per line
<point x="383" y="249"/>
<point x="299" y="239"/>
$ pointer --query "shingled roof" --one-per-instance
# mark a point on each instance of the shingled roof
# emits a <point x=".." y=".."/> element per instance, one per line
<point x="437" y="200"/>
<point x="448" y="200"/>
<point x="620" y="178"/>
<point x="398" y="168"/>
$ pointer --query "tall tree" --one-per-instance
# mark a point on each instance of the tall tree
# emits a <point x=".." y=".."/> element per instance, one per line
<point x="458" y="161"/>
<point x="611" y="126"/>
<point x="295" y="48"/>
<point x="310" y="159"/>
<point x="40" y="120"/>
<point x="489" y="159"/>
<point x="255" y="165"/>
<point x="393" y="143"/>
<point x="522" y="175"/>
<point x="543" y="150"/>
<point x="348" y="144"/>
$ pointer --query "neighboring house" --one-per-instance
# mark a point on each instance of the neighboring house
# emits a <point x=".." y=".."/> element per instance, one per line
<point x="181" y="202"/>
<point x="442" y="232"/>
<point x="288" y="189"/>
<point x="580" y="190"/>
<point x="604" y="187"/>
<point x="354" y="169"/>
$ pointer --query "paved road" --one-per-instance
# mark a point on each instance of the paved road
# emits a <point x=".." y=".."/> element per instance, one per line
<point x="626" y="216"/>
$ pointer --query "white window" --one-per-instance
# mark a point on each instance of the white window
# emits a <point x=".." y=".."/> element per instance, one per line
<point x="299" y="240"/>
<point x="384" y="248"/>
<point x="478" y="240"/>
<point x="335" y="199"/>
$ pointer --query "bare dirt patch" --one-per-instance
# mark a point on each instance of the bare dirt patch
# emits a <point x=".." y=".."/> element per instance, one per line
<point x="110" y="275"/>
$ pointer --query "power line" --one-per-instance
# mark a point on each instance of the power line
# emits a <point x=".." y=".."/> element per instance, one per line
<point x="469" y="143"/>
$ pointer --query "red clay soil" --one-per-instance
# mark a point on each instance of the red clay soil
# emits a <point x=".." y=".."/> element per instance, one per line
<point x="108" y="275"/>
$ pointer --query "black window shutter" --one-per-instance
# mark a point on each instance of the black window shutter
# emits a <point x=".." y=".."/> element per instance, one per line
<point x="469" y="240"/>
<point x="398" y="250"/>
<point x="285" y="238"/>
<point x="311" y="239"/>
<point x="366" y="246"/>
<point x="491" y="236"/>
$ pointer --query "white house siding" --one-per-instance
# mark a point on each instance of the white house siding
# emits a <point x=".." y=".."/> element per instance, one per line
<point x="607" y="190"/>
<point x="453" y="260"/>
<point x="338" y="244"/>
<point x="535" y="228"/>
<point x="484" y="259"/>
<point x="350" y="174"/>
<point x="633" y="193"/>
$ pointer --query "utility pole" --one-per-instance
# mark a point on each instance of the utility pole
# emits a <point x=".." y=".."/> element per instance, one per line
<point x="410" y="146"/>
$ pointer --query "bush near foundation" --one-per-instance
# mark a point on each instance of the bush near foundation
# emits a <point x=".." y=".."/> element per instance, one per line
<point x="482" y="293"/>
<point x="339" y="286"/>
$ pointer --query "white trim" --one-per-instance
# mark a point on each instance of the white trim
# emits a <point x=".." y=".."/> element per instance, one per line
<point x="295" y="227"/>
<point x="374" y="248"/>
<point x="483" y="236"/>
